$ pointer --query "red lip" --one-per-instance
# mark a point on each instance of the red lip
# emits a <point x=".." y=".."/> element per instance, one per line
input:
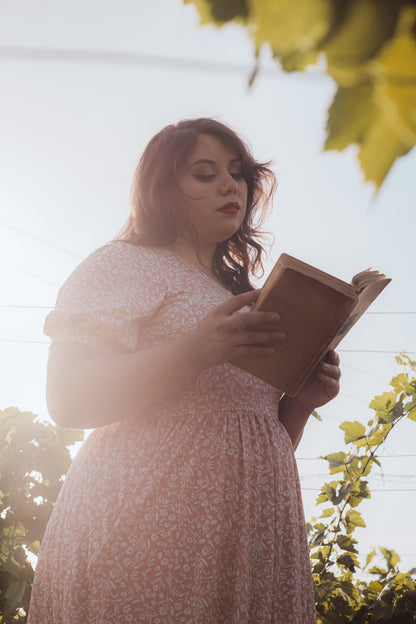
<point x="230" y="208"/>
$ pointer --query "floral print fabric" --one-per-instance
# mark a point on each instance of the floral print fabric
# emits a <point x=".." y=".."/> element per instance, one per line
<point x="190" y="512"/>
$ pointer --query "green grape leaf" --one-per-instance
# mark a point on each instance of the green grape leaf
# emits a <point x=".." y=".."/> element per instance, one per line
<point x="353" y="431"/>
<point x="290" y="26"/>
<point x="400" y="383"/>
<point x="391" y="557"/>
<point x="353" y="519"/>
<point x="345" y="542"/>
<point x="327" y="512"/>
<point x="350" y="115"/>
<point x="380" y="149"/>
<point x="335" y="460"/>
<point x="362" y="33"/>
<point x="347" y="561"/>
<point x="369" y="558"/>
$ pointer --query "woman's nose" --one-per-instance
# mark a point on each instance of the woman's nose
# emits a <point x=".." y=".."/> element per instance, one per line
<point x="229" y="183"/>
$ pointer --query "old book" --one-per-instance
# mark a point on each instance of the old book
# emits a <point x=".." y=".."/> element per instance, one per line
<point x="316" y="311"/>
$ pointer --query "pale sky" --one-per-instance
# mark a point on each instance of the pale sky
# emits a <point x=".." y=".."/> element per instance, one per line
<point x="72" y="129"/>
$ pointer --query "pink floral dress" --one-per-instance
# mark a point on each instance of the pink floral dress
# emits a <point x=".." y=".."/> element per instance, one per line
<point x="190" y="512"/>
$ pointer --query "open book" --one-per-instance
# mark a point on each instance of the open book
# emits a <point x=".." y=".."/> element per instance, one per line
<point x="316" y="311"/>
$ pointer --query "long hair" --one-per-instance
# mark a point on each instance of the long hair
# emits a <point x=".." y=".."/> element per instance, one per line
<point x="155" y="214"/>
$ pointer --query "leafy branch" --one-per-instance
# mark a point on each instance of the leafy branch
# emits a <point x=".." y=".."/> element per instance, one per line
<point x="333" y="549"/>
<point x="34" y="459"/>
<point x="367" y="47"/>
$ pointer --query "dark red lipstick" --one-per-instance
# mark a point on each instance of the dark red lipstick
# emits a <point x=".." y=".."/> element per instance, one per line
<point x="230" y="208"/>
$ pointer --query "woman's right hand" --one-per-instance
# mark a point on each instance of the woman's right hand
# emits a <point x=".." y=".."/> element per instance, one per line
<point x="227" y="333"/>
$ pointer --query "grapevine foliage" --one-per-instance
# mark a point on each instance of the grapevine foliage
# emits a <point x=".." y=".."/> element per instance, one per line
<point x="34" y="458"/>
<point x="341" y="596"/>
<point x="369" y="50"/>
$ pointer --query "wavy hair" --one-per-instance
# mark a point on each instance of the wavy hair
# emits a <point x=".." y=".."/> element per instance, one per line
<point x="155" y="215"/>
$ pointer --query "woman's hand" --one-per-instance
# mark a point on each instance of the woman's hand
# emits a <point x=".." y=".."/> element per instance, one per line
<point x="225" y="334"/>
<point x="322" y="384"/>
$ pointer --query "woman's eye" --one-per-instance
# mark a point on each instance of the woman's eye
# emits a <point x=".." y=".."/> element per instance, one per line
<point x="237" y="175"/>
<point x="204" y="177"/>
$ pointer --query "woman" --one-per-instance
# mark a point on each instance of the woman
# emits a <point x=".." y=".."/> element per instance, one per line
<point x="184" y="504"/>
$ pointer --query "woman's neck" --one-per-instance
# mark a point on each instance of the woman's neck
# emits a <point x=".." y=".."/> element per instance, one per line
<point x="201" y="258"/>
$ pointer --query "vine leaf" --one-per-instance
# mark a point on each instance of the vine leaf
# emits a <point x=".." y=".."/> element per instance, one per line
<point x="368" y="48"/>
<point x="353" y="519"/>
<point x="345" y="542"/>
<point x="353" y="431"/>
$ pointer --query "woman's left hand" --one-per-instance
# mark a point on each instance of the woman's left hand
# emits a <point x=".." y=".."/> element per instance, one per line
<point x="322" y="384"/>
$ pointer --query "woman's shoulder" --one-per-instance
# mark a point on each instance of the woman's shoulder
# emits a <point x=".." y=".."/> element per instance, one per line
<point x="116" y="266"/>
<point x="113" y="289"/>
<point x="122" y="250"/>
<point x="120" y="257"/>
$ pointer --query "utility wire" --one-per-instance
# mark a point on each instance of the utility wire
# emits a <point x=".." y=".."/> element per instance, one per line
<point x="339" y="350"/>
<point x="38" y="239"/>
<point x="377" y="475"/>
<point x="372" y="489"/>
<point x="137" y="59"/>
<point x="381" y="457"/>
<point x="411" y="312"/>
<point x="69" y="252"/>
<point x="38" y="277"/>
<point x="45" y="342"/>
<point x="34" y="307"/>
<point x="375" y="351"/>
<point x="26" y="307"/>
<point x="75" y="255"/>
<point x="163" y="62"/>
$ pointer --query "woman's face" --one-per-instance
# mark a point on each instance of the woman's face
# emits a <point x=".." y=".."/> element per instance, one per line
<point x="213" y="192"/>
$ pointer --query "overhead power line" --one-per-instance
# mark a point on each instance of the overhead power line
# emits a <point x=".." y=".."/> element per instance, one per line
<point x="38" y="239"/>
<point x="340" y="350"/>
<point x="372" y="489"/>
<point x="375" y="351"/>
<point x="45" y="342"/>
<point x="34" y="307"/>
<point x="381" y="457"/>
<point x="378" y="476"/>
<point x="140" y="59"/>
<point x="409" y="312"/>
<point x="38" y="277"/>
<point x="26" y="307"/>
<point x="165" y="62"/>
<point x="53" y="245"/>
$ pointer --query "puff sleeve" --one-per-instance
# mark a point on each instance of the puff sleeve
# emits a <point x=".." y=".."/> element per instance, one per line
<point x="108" y="298"/>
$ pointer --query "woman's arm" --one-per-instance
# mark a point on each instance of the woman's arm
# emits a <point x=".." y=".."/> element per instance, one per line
<point x="88" y="389"/>
<point x="294" y="418"/>
<point x="321" y="387"/>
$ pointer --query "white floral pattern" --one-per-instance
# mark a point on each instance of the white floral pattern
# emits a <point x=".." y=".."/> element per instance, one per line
<point x="191" y="512"/>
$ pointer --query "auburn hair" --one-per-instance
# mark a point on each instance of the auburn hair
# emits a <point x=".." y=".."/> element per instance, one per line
<point x="155" y="215"/>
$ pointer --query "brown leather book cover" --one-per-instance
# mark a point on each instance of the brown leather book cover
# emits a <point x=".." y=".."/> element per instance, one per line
<point x="316" y="311"/>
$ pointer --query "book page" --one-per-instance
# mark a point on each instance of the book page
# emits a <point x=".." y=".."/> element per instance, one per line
<point x="368" y="285"/>
<point x="363" y="279"/>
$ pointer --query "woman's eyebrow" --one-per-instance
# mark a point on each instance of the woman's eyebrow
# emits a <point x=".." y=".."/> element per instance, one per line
<point x="202" y="160"/>
<point x="212" y="162"/>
